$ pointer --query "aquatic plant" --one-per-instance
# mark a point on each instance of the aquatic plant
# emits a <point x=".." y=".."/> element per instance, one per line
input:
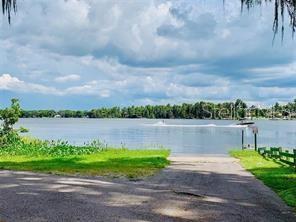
<point x="36" y="147"/>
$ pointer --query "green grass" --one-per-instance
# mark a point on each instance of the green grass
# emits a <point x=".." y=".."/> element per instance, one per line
<point x="93" y="158"/>
<point x="113" y="162"/>
<point x="277" y="176"/>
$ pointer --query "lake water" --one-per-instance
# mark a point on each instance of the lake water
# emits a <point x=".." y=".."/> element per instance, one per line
<point x="181" y="136"/>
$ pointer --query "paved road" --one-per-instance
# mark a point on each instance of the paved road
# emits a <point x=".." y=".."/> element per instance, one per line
<point x="191" y="189"/>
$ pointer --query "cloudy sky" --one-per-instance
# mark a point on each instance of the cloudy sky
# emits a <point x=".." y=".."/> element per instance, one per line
<point x="88" y="53"/>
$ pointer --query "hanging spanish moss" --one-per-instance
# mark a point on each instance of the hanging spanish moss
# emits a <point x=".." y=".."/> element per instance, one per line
<point x="280" y="8"/>
<point x="9" y="6"/>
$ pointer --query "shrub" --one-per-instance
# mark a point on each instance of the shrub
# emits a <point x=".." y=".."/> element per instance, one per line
<point x="35" y="147"/>
<point x="9" y="117"/>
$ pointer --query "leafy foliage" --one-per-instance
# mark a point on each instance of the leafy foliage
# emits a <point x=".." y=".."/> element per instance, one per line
<point x="9" y="117"/>
<point x="35" y="147"/>
<point x="198" y="110"/>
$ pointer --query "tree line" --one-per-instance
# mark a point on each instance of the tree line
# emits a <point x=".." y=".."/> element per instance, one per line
<point x="198" y="110"/>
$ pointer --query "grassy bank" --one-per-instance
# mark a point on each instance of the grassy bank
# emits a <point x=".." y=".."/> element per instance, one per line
<point x="90" y="159"/>
<point x="277" y="176"/>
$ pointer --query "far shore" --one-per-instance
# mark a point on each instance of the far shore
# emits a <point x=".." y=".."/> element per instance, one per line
<point x="116" y="118"/>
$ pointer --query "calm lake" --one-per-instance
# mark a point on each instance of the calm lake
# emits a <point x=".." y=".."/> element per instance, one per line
<point x="181" y="136"/>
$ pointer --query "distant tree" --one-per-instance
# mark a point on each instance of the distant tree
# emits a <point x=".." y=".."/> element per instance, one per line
<point x="198" y="110"/>
<point x="240" y="104"/>
<point x="277" y="107"/>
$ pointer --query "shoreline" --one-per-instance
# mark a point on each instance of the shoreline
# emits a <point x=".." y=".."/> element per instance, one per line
<point x="265" y="119"/>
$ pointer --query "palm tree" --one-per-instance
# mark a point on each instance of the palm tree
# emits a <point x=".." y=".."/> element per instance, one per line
<point x="7" y="7"/>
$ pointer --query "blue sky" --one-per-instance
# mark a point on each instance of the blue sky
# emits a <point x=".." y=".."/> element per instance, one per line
<point x="85" y="54"/>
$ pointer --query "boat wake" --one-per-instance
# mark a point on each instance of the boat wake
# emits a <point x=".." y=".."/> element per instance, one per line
<point x="163" y="124"/>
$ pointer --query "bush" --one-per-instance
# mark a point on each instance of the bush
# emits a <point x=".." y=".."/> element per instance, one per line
<point x="10" y="116"/>
<point x="35" y="147"/>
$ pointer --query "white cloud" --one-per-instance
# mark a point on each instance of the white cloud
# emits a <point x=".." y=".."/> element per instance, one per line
<point x="118" y="53"/>
<point x="67" y="78"/>
<point x="278" y="70"/>
<point x="10" y="83"/>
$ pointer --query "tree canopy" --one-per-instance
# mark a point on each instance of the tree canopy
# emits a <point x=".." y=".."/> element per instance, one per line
<point x="199" y="110"/>
<point x="9" y="117"/>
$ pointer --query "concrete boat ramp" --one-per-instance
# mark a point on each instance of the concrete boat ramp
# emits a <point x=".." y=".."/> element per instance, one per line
<point x="192" y="188"/>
